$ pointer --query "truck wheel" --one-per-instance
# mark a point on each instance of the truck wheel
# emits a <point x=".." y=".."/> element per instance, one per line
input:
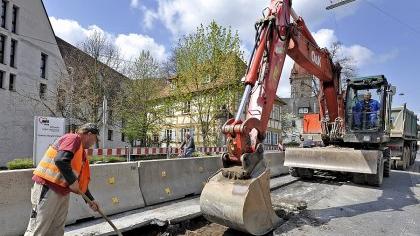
<point x="376" y="179"/>
<point x="293" y="172"/>
<point x="399" y="165"/>
<point x="358" y="178"/>
<point x="387" y="164"/>
<point x="413" y="155"/>
<point x="305" y="173"/>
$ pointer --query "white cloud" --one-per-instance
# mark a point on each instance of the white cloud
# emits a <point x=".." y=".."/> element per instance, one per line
<point x="183" y="16"/>
<point x="134" y="3"/>
<point x="130" y="45"/>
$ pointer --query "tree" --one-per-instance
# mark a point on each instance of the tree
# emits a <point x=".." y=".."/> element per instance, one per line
<point x="141" y="107"/>
<point x="91" y="79"/>
<point x="88" y="76"/>
<point x="208" y="66"/>
<point x="347" y="63"/>
<point x="288" y="127"/>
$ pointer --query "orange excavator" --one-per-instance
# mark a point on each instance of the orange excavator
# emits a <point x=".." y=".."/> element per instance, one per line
<point x="238" y="196"/>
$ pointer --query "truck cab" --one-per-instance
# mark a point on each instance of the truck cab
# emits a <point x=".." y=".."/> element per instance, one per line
<point x="368" y="110"/>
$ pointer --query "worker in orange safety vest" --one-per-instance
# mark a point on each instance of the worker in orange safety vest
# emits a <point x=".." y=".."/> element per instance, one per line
<point x="64" y="168"/>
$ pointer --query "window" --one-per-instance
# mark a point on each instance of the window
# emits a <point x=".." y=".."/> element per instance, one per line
<point x="2" y="44"/>
<point x="2" y="79"/>
<point x="44" y="58"/>
<point x="275" y="139"/>
<point x="275" y="113"/>
<point x="303" y="110"/>
<point x="169" y="111"/>
<point x="207" y="79"/>
<point x="12" y="82"/>
<point x="110" y="134"/>
<point x="268" y="138"/>
<point x="155" y="138"/>
<point x="13" y="46"/>
<point x="183" y="131"/>
<point x="3" y="13"/>
<point x="14" y="18"/>
<point x="122" y="137"/>
<point x="169" y="134"/>
<point x="42" y="90"/>
<point x="187" y="107"/>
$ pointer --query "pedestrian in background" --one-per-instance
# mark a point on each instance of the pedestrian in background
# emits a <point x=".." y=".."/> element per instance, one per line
<point x="187" y="145"/>
<point x="63" y="169"/>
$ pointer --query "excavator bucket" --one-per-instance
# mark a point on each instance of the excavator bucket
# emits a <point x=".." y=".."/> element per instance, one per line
<point x="334" y="159"/>
<point x="241" y="204"/>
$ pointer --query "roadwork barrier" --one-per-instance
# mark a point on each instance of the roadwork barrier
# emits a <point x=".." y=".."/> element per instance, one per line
<point x="165" y="180"/>
<point x="15" y="201"/>
<point x="115" y="186"/>
<point x="275" y="162"/>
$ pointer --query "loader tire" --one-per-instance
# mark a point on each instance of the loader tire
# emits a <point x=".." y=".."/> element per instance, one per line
<point x="305" y="173"/>
<point x="387" y="164"/>
<point x="376" y="179"/>
<point x="293" y="172"/>
<point x="387" y="168"/>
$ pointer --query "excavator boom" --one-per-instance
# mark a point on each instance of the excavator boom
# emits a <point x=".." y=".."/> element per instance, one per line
<point x="238" y="196"/>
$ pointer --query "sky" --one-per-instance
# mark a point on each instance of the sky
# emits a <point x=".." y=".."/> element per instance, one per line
<point x="381" y="36"/>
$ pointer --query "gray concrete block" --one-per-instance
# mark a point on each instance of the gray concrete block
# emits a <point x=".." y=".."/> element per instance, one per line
<point x="165" y="180"/>
<point x="114" y="186"/>
<point x="275" y="162"/>
<point x="15" y="201"/>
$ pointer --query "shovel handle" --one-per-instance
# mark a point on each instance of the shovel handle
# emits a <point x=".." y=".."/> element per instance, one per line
<point x="102" y="214"/>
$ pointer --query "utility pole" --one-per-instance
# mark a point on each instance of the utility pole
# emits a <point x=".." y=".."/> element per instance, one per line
<point x="338" y="4"/>
<point x="104" y="120"/>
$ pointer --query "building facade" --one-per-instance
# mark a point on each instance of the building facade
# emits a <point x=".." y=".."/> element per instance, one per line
<point x="182" y="121"/>
<point x="303" y="100"/>
<point x="30" y="63"/>
<point x="77" y="63"/>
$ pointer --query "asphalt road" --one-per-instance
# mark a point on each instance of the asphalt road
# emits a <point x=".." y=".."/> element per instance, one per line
<point x="335" y="206"/>
<point x="342" y="208"/>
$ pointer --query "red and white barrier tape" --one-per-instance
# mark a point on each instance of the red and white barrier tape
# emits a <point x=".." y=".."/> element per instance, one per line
<point x="143" y="151"/>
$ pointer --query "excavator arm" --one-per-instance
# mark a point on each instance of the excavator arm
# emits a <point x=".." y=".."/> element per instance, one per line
<point x="239" y="195"/>
<point x="276" y="38"/>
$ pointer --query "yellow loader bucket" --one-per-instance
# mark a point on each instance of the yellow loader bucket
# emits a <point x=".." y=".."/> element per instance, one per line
<point x="241" y="204"/>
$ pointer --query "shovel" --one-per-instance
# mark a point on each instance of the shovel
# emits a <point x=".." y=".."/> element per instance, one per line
<point x="102" y="214"/>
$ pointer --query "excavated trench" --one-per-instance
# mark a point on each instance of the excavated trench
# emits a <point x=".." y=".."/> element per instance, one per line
<point x="289" y="203"/>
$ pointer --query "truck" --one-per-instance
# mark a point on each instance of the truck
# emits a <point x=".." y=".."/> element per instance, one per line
<point x="404" y="132"/>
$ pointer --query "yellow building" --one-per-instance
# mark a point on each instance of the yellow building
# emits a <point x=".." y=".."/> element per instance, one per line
<point x="183" y="118"/>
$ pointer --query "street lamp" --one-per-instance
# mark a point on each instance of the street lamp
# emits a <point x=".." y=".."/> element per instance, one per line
<point x="338" y="4"/>
<point x="71" y="74"/>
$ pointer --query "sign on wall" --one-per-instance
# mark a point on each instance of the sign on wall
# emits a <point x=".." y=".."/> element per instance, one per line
<point x="46" y="131"/>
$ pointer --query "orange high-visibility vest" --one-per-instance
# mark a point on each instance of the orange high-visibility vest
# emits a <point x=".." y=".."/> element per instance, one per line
<point x="47" y="169"/>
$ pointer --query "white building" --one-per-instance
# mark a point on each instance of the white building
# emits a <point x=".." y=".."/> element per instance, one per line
<point x="30" y="63"/>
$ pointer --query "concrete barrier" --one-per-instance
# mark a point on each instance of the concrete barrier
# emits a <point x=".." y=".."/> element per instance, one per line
<point x="275" y="161"/>
<point x="15" y="202"/>
<point x="114" y="186"/>
<point x="165" y="180"/>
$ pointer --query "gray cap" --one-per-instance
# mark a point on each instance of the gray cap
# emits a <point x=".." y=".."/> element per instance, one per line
<point x="89" y="127"/>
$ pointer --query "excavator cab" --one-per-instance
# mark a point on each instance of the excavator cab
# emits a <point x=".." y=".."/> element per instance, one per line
<point x="368" y="108"/>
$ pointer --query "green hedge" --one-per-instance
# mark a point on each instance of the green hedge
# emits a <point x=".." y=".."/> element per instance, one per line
<point x="23" y="163"/>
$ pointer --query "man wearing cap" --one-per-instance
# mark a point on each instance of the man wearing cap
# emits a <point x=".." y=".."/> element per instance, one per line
<point x="367" y="110"/>
<point x="63" y="169"/>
